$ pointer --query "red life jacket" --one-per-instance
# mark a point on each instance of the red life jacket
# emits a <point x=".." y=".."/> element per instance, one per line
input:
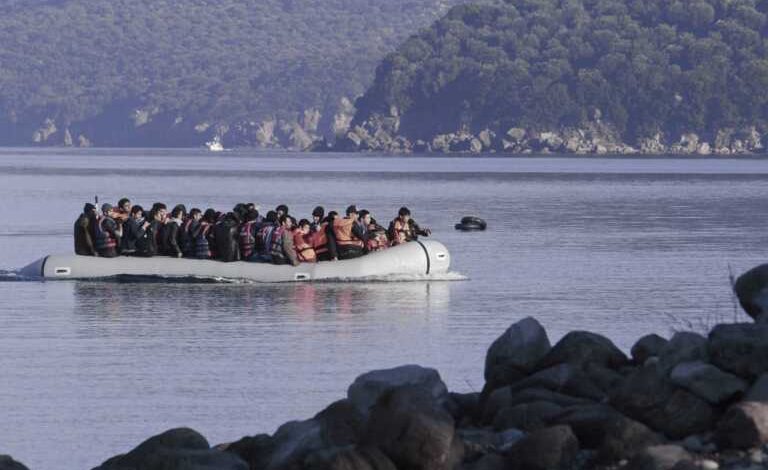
<point x="304" y="250"/>
<point x="402" y="232"/>
<point x="276" y="249"/>
<point x="104" y="239"/>
<point x="202" y="246"/>
<point x="319" y="239"/>
<point x="247" y="239"/>
<point x="342" y="228"/>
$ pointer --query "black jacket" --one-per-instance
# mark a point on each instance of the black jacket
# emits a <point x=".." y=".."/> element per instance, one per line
<point x="133" y="231"/>
<point x="83" y="236"/>
<point x="170" y="239"/>
<point x="226" y="235"/>
<point x="148" y="245"/>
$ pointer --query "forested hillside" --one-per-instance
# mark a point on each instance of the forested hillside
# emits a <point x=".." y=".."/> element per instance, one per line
<point x="176" y="72"/>
<point x="576" y="75"/>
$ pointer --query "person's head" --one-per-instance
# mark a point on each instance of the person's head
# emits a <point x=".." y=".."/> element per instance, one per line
<point x="352" y="212"/>
<point x="137" y="212"/>
<point x="125" y="205"/>
<point x="210" y="216"/>
<point x="251" y="206"/>
<point x="318" y="213"/>
<point x="239" y="209"/>
<point x="331" y="215"/>
<point x="282" y="209"/>
<point x="285" y="221"/>
<point x="179" y="211"/>
<point x="89" y="209"/>
<point x="304" y="226"/>
<point x="404" y="214"/>
<point x="271" y="217"/>
<point x="107" y="209"/>
<point x="159" y="210"/>
<point x="365" y="217"/>
<point x="251" y="215"/>
<point x="196" y="214"/>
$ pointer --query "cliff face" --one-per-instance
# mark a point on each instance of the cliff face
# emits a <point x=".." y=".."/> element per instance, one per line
<point x="590" y="76"/>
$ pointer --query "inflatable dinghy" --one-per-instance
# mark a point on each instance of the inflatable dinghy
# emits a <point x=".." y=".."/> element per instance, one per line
<point x="414" y="258"/>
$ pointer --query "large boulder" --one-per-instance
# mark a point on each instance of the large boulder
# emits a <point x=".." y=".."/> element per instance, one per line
<point x="516" y="352"/>
<point x="707" y="381"/>
<point x="648" y="398"/>
<point x="662" y="457"/>
<point x="562" y="378"/>
<point x="740" y="348"/>
<point x="339" y="425"/>
<point x="684" y="346"/>
<point x="589" y="423"/>
<point x="348" y="458"/>
<point x="752" y="290"/>
<point x="414" y="431"/>
<point x="526" y="416"/>
<point x="7" y="463"/>
<point x="367" y="388"/>
<point x="582" y="347"/>
<point x="528" y="395"/>
<point x="646" y="347"/>
<point x="624" y="439"/>
<point x="176" y="449"/>
<point x="744" y="425"/>
<point x="759" y="390"/>
<point x="256" y="451"/>
<point x="552" y="448"/>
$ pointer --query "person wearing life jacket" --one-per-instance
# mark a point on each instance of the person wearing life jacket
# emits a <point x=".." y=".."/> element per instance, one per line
<point x="150" y="245"/>
<point x="325" y="249"/>
<point x="248" y="233"/>
<point x="202" y="235"/>
<point x="404" y="229"/>
<point x="301" y="243"/>
<point x="350" y="240"/>
<point x="281" y="210"/>
<point x="282" y="250"/>
<point x="83" y="231"/>
<point x="108" y="233"/>
<point x="226" y="237"/>
<point x="123" y="210"/>
<point x="376" y="235"/>
<point x="134" y="230"/>
<point x="317" y="218"/>
<point x="171" y="233"/>
<point x="263" y="241"/>
<point x="186" y="241"/>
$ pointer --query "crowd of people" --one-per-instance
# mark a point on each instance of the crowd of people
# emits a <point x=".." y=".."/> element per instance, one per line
<point x="242" y="234"/>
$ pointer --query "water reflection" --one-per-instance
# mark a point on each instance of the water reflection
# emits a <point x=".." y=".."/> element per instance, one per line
<point x="101" y="301"/>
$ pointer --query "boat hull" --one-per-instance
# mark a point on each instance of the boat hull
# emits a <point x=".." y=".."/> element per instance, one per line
<point x="415" y="258"/>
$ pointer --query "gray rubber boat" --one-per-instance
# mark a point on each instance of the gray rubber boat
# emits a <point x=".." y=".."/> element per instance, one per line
<point x="414" y="258"/>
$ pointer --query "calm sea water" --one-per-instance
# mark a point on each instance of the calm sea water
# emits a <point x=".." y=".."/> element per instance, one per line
<point x="623" y="247"/>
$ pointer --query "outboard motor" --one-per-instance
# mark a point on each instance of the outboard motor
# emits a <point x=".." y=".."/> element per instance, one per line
<point x="471" y="224"/>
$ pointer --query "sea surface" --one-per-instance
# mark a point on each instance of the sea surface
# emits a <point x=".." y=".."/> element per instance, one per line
<point x="620" y="246"/>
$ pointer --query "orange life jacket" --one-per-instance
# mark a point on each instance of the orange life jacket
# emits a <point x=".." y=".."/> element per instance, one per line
<point x="342" y="229"/>
<point x="304" y="250"/>
<point x="319" y="239"/>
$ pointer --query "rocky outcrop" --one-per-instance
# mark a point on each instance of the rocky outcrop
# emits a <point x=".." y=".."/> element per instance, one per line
<point x="7" y="463"/>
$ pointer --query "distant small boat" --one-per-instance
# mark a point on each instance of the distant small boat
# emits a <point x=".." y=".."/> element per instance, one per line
<point x="215" y="145"/>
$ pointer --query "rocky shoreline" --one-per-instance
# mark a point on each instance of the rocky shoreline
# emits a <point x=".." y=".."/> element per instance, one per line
<point x="688" y="402"/>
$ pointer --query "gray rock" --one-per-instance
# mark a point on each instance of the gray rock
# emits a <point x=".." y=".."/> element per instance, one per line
<point x="506" y="439"/>
<point x="582" y="347"/>
<point x="413" y="430"/>
<point x="744" y="425"/>
<point x="367" y="388"/>
<point x="740" y="348"/>
<point x="562" y="378"/>
<point x="488" y="462"/>
<point x="589" y="423"/>
<point x="540" y="394"/>
<point x="256" y="451"/>
<point x="604" y="378"/>
<point x="551" y="448"/>
<point x="177" y="449"/>
<point x="516" y="134"/>
<point x="684" y="346"/>
<point x="624" y="439"/>
<point x="647" y="346"/>
<point x="648" y="398"/>
<point x="759" y="390"/>
<point x="516" y="352"/>
<point x="707" y="381"/>
<point x="357" y="458"/>
<point x="662" y="457"/>
<point x="526" y="416"/>
<point x="752" y="290"/>
<point x="7" y="463"/>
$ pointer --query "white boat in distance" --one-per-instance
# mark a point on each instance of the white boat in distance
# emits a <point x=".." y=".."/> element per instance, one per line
<point x="418" y="258"/>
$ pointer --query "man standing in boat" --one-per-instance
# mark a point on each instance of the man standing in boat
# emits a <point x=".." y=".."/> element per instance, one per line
<point x="404" y="229"/>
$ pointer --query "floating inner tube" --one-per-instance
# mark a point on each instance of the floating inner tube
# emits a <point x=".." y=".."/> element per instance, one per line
<point x="471" y="223"/>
